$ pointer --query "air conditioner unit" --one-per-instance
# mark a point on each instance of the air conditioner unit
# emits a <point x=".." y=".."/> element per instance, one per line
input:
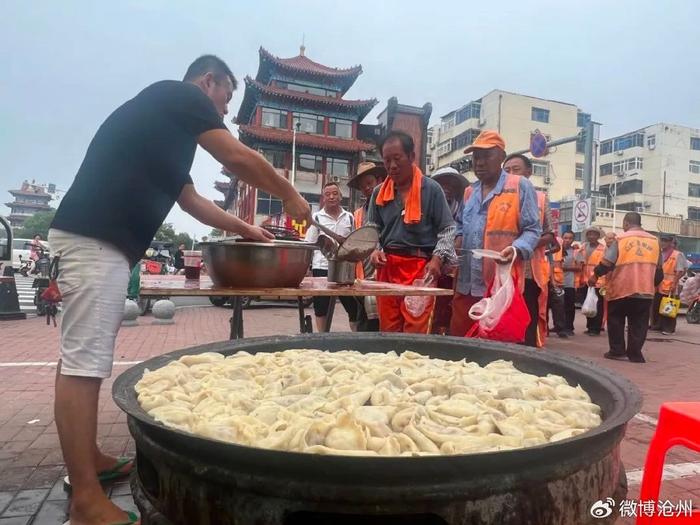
<point x="334" y="178"/>
<point x="432" y="146"/>
<point x="482" y="122"/>
<point x="652" y="146"/>
<point x="639" y="209"/>
<point x="547" y="179"/>
<point x="619" y="153"/>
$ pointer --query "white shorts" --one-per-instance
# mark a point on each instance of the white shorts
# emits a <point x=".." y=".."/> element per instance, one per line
<point x="93" y="277"/>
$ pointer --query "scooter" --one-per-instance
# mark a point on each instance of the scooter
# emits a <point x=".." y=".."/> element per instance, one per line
<point x="41" y="282"/>
<point x="25" y="266"/>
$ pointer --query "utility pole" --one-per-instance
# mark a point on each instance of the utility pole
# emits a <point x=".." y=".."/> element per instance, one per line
<point x="588" y="159"/>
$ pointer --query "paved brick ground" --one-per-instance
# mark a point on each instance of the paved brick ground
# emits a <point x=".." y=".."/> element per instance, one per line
<point x="31" y="466"/>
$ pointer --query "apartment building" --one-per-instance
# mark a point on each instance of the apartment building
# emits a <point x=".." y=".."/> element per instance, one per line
<point x="516" y="117"/>
<point x="653" y="170"/>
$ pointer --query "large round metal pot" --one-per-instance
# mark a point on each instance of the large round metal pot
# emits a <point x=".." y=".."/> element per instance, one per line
<point x="185" y="479"/>
<point x="242" y="264"/>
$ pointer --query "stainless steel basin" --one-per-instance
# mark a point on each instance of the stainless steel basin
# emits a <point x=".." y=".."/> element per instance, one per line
<point x="243" y="264"/>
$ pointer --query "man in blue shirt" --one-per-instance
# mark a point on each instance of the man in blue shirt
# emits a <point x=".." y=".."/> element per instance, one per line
<point x="500" y="212"/>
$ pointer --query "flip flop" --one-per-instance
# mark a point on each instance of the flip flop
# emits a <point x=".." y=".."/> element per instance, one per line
<point x="133" y="520"/>
<point x="116" y="472"/>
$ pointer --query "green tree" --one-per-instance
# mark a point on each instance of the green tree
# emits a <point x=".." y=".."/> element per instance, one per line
<point x="183" y="238"/>
<point x="37" y="223"/>
<point x="216" y="232"/>
<point x="166" y="233"/>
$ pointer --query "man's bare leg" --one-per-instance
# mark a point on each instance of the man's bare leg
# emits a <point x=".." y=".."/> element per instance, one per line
<point x="76" y="419"/>
<point x="321" y="324"/>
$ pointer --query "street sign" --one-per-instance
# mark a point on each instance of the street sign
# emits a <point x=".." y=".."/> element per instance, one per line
<point x="538" y="145"/>
<point x="582" y="215"/>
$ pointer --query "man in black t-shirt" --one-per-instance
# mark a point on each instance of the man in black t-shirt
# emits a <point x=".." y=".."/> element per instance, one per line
<point x="136" y="167"/>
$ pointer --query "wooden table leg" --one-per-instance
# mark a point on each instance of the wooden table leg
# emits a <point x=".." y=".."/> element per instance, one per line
<point x="237" y="318"/>
<point x="329" y="315"/>
<point x="302" y="316"/>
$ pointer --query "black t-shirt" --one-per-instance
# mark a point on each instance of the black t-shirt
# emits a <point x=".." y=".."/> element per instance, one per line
<point x="136" y="166"/>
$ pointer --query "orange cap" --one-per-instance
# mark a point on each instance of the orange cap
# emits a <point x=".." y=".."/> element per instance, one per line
<point x="487" y="139"/>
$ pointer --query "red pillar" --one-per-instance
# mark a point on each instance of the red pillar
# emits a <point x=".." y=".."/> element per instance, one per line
<point x="326" y="125"/>
<point x="354" y="129"/>
<point x="258" y="116"/>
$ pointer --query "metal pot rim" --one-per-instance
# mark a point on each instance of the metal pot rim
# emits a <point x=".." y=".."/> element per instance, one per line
<point x="273" y="244"/>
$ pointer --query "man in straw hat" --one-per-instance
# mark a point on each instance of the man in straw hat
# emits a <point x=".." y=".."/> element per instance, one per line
<point x="500" y="213"/>
<point x="369" y="176"/>
<point x="416" y="232"/>
<point x="592" y="252"/>
<point x="453" y="185"/>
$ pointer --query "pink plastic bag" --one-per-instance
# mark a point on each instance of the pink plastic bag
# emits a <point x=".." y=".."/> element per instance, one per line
<point x="416" y="304"/>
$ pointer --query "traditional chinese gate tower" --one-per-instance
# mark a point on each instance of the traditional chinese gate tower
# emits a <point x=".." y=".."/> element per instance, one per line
<point x="298" y="95"/>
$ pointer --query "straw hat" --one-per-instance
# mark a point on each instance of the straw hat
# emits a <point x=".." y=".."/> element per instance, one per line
<point x="453" y="176"/>
<point x="367" y="168"/>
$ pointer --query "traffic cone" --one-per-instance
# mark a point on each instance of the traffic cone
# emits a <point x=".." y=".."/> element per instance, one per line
<point x="9" y="300"/>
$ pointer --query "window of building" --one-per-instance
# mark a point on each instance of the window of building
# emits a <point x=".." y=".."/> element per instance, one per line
<point x="630" y="206"/>
<point x="275" y="157"/>
<point x="625" y="165"/>
<point x="632" y="140"/>
<point x="471" y="110"/>
<point x="340" y="128"/>
<point x="581" y="144"/>
<point x="579" y="171"/>
<point x="464" y="139"/>
<point x="694" y="142"/>
<point x="312" y="90"/>
<point x="693" y="190"/>
<point x="274" y="118"/>
<point x="582" y="119"/>
<point x="693" y="213"/>
<point x="694" y="166"/>
<point x="606" y="169"/>
<point x="651" y="141"/>
<point x="606" y="147"/>
<point x="337" y="167"/>
<point x="540" y="169"/>
<point x="268" y="204"/>
<point x="309" y="163"/>
<point x="447" y="123"/>
<point x="444" y="148"/>
<point x="540" y="114"/>
<point x="309" y="123"/>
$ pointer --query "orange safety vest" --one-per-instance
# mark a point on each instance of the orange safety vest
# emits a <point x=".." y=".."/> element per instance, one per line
<point x="359" y="215"/>
<point x="502" y="225"/>
<point x="558" y="266"/>
<point x="592" y="261"/>
<point x="538" y="262"/>
<point x="669" y="273"/>
<point x="638" y="255"/>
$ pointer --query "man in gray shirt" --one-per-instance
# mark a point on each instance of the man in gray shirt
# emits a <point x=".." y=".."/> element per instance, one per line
<point x="416" y="232"/>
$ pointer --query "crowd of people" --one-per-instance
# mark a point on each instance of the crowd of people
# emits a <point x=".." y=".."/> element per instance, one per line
<point x="429" y="227"/>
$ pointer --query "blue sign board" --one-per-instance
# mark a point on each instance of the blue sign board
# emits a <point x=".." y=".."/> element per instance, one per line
<point x="538" y="145"/>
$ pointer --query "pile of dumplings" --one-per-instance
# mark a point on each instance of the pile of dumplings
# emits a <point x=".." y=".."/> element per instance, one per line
<point x="375" y="404"/>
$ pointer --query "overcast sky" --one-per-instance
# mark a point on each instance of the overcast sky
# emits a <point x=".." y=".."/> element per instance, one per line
<point x="66" y="65"/>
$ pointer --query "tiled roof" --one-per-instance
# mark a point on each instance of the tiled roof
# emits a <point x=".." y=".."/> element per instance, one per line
<point x="255" y="89"/>
<point x="303" y="63"/>
<point x="42" y="194"/>
<point x="20" y="204"/>
<point x="305" y="139"/>
<point x="222" y="186"/>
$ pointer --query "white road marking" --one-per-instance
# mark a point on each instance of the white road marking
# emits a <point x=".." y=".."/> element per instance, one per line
<point x="54" y="363"/>
<point x="647" y="419"/>
<point x="671" y="472"/>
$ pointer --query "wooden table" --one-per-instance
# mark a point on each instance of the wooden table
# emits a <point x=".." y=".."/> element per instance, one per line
<point x="177" y="285"/>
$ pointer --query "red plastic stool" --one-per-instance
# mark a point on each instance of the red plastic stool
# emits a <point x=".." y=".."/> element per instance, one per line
<point x="679" y="424"/>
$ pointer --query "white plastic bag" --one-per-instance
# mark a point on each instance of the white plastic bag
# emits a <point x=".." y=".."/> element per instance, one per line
<point x="488" y="310"/>
<point x="590" y="305"/>
<point x="416" y="304"/>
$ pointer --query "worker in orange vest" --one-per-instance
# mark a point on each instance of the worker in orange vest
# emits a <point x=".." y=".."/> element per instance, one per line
<point x="571" y="267"/>
<point x="369" y="176"/>
<point x="555" y="301"/>
<point x="592" y="252"/>
<point x="453" y="185"/>
<point x="537" y="270"/>
<point x="500" y="213"/>
<point x="674" y="268"/>
<point x="416" y="233"/>
<point x="633" y="264"/>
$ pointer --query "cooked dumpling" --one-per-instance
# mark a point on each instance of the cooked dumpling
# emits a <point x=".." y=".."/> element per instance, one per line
<point x="364" y="404"/>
